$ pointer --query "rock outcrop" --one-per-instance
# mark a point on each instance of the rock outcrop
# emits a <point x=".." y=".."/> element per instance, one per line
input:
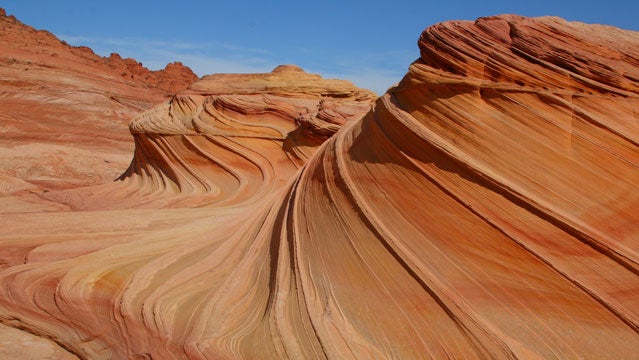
<point x="64" y="109"/>
<point x="485" y="208"/>
<point x="227" y="131"/>
<point x="227" y="139"/>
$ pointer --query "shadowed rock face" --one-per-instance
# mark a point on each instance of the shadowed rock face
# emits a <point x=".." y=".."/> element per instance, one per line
<point x="485" y="208"/>
<point x="64" y="109"/>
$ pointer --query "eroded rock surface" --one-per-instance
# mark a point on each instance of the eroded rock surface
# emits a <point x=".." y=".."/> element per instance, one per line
<point x="64" y="110"/>
<point x="485" y="208"/>
<point x="227" y="139"/>
<point x="19" y="345"/>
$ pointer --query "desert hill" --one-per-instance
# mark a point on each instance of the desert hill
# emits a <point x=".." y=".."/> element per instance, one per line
<point x="64" y="110"/>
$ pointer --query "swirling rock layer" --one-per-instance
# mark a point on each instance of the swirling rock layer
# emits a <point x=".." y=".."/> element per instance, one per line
<point x="231" y="137"/>
<point x="485" y="208"/>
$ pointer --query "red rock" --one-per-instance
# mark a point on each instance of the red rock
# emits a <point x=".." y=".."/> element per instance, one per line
<point x="64" y="110"/>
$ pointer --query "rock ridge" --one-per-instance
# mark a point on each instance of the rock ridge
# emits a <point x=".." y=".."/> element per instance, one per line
<point x="55" y="98"/>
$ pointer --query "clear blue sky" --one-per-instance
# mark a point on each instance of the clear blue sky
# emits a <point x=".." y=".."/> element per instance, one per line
<point x="368" y="42"/>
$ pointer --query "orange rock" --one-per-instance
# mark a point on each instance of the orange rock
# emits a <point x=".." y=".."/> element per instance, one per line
<point x="227" y="139"/>
<point x="485" y="208"/>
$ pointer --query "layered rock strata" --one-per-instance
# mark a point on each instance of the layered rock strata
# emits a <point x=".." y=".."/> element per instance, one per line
<point x="64" y="109"/>
<point x="485" y="208"/>
<point x="230" y="136"/>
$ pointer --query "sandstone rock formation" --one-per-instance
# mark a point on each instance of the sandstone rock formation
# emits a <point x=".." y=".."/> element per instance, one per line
<point x="267" y="125"/>
<point x="64" y="110"/>
<point x="485" y="208"/>
<point x="226" y="139"/>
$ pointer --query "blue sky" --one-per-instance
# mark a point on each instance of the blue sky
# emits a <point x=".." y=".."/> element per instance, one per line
<point x="368" y="42"/>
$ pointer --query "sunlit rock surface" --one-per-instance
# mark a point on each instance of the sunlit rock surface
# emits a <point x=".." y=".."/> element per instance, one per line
<point x="64" y="109"/>
<point x="229" y="137"/>
<point x="485" y="208"/>
<point x="20" y="345"/>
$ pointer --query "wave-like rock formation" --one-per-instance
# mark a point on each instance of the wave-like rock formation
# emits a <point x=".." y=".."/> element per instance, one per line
<point x="485" y="208"/>
<point x="228" y="138"/>
<point x="64" y="109"/>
